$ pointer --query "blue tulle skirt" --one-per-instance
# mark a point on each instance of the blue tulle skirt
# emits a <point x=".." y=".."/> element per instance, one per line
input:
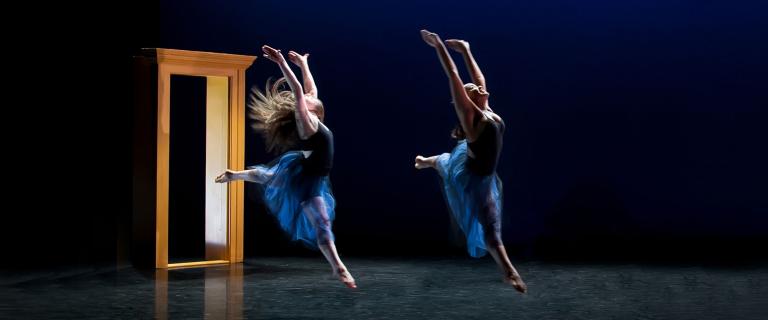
<point x="473" y="200"/>
<point x="287" y="188"/>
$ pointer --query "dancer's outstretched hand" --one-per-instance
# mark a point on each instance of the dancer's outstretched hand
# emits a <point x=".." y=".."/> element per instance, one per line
<point x="272" y="54"/>
<point x="457" y="45"/>
<point x="430" y="38"/>
<point x="297" y="59"/>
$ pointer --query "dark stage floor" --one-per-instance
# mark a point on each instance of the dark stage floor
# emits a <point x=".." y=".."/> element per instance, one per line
<point x="300" y="288"/>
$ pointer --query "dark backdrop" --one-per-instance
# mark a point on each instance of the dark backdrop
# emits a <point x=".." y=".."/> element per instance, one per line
<point x="636" y="129"/>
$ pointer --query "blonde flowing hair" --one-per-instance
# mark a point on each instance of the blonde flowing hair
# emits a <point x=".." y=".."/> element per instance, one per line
<point x="274" y="112"/>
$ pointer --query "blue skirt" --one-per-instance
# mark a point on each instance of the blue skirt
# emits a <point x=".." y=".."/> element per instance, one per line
<point x="468" y="196"/>
<point x="285" y="190"/>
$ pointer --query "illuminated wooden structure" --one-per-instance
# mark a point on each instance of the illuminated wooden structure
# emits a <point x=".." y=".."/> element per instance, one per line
<point x="225" y="144"/>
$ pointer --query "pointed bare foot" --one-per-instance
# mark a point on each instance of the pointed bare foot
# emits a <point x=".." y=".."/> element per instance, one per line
<point x="346" y="278"/>
<point x="516" y="281"/>
<point x="225" y="177"/>
<point x="422" y="163"/>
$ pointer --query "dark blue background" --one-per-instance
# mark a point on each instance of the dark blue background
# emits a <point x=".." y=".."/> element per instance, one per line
<point x="636" y="129"/>
<point x="631" y="120"/>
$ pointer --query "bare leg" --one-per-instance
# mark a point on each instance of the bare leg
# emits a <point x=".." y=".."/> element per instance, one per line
<point x="493" y="237"/>
<point x="340" y="270"/>
<point x="490" y="220"/>
<point x="254" y="175"/>
<point x="510" y="273"/>
<point x="314" y="209"/>
<point x="423" y="163"/>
